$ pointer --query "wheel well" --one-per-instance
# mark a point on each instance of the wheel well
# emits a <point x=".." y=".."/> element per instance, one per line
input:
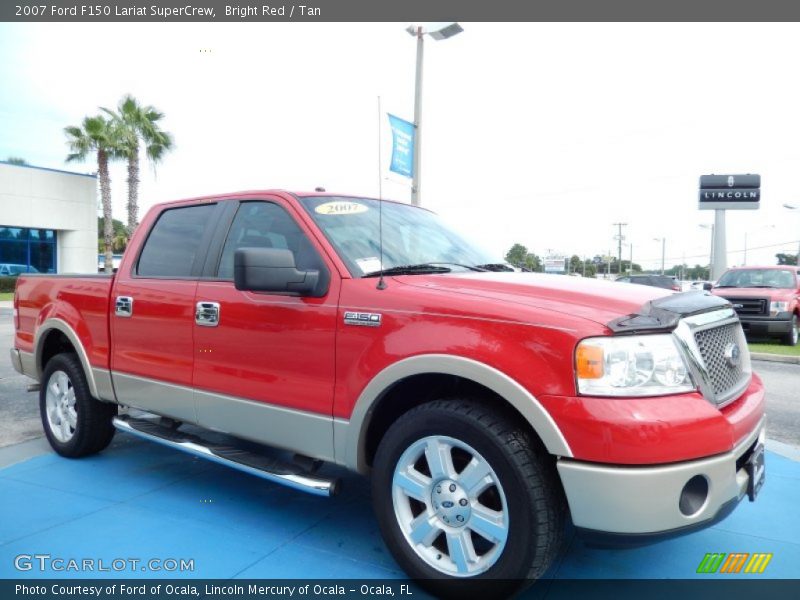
<point x="56" y="342"/>
<point x="412" y="391"/>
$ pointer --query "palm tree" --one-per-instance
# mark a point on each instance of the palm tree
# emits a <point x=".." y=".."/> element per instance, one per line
<point x="101" y="136"/>
<point x="139" y="124"/>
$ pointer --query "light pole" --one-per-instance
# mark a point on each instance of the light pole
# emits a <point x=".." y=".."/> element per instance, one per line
<point x="711" y="254"/>
<point x="663" y="251"/>
<point x="438" y="31"/>
<point x="797" y="208"/>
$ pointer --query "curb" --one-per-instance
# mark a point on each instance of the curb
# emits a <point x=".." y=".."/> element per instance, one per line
<point x="779" y="358"/>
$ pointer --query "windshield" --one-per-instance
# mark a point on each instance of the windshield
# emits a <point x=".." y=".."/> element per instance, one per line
<point x="758" y="278"/>
<point x="411" y="236"/>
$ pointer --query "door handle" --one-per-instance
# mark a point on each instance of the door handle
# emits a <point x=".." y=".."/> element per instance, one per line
<point x="207" y="314"/>
<point x="123" y="306"/>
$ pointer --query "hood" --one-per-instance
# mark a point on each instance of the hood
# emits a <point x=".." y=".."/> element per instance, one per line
<point x="592" y="299"/>
<point x="750" y="292"/>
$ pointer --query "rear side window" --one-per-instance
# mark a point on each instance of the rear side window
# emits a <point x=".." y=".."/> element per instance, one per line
<point x="174" y="242"/>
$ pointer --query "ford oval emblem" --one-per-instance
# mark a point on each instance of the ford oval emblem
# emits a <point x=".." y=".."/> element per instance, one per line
<point x="733" y="356"/>
<point x="447" y="504"/>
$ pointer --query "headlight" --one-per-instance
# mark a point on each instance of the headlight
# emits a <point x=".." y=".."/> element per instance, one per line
<point x="637" y="365"/>
<point x="778" y="307"/>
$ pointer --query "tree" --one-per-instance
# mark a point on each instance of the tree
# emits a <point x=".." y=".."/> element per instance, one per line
<point x="101" y="137"/>
<point x="138" y="124"/>
<point x="786" y="259"/>
<point x="519" y="256"/>
<point x="16" y="160"/>
<point x="119" y="236"/>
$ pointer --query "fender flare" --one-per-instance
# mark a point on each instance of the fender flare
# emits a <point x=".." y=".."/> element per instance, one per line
<point x="92" y="374"/>
<point x="353" y="440"/>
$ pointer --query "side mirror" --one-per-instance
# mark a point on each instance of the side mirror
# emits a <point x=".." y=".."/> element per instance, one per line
<point x="272" y="270"/>
<point x="707" y="286"/>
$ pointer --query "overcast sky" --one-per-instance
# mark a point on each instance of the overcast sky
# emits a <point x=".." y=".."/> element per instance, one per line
<point x="543" y="134"/>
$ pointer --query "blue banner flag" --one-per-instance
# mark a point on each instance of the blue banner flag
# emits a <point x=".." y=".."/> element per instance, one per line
<point x="403" y="137"/>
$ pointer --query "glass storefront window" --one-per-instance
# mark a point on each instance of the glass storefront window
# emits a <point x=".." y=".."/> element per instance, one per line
<point x="27" y="251"/>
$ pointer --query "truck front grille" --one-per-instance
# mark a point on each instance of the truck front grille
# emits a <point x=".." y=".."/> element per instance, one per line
<point x="749" y="306"/>
<point x="716" y="347"/>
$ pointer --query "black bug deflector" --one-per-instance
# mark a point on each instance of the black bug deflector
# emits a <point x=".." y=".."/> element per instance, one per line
<point x="663" y="314"/>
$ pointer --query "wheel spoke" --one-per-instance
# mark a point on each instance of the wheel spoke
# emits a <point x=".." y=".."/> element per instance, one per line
<point x="424" y="529"/>
<point x="72" y="417"/>
<point x="475" y="477"/>
<point x="414" y="484"/>
<point x="64" y="425"/>
<point x="63" y="381"/>
<point x="488" y="524"/>
<point x="54" y="387"/>
<point x="461" y="550"/>
<point x="440" y="460"/>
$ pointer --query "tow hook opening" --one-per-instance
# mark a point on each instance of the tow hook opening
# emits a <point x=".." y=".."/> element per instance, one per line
<point x="693" y="496"/>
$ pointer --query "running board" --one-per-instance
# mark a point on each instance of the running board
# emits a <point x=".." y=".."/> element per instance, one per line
<point x="230" y="456"/>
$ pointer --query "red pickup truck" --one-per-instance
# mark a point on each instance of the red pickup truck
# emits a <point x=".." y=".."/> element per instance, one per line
<point x="488" y="407"/>
<point x="767" y="300"/>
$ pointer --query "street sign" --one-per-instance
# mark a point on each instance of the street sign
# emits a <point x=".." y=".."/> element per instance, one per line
<point x="555" y="265"/>
<point x="729" y="192"/>
<point x="403" y="134"/>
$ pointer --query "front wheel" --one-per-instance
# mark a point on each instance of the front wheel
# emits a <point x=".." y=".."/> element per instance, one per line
<point x="793" y="336"/>
<point x="75" y="423"/>
<point x="464" y="495"/>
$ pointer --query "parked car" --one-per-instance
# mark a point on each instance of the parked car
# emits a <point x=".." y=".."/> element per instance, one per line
<point x="667" y="282"/>
<point x="489" y="408"/>
<point x="767" y="300"/>
<point x="10" y="269"/>
<point x="702" y="285"/>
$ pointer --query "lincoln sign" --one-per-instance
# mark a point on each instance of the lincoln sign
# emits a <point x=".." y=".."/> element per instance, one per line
<point x="730" y="191"/>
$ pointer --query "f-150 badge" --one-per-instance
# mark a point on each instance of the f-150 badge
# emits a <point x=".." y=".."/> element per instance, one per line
<point x="363" y="319"/>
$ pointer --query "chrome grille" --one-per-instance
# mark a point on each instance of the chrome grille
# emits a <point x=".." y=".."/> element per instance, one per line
<point x="712" y="344"/>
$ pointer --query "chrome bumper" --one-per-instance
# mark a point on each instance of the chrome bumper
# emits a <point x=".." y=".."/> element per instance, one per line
<point x="646" y="500"/>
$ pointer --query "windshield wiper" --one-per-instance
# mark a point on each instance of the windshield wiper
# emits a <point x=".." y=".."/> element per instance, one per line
<point x="497" y="267"/>
<point x="420" y="269"/>
<point x="471" y="268"/>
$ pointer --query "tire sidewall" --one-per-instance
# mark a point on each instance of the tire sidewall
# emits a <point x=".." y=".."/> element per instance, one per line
<point x="517" y="554"/>
<point x="68" y="363"/>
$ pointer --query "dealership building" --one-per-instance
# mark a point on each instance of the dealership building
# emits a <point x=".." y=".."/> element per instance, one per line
<point x="48" y="220"/>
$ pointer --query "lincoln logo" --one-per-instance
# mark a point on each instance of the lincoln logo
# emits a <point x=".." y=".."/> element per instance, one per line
<point x="732" y="355"/>
<point x="731" y="181"/>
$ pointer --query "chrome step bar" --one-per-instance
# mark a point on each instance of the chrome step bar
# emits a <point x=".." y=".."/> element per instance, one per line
<point x="243" y="460"/>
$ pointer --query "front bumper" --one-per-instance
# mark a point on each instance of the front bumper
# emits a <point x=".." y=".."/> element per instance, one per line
<point x="639" y="503"/>
<point x="767" y="326"/>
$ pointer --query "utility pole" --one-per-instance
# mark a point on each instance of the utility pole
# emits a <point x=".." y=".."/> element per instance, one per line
<point x="619" y="237"/>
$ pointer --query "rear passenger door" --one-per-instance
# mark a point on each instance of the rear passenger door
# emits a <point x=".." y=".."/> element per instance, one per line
<point x="264" y="369"/>
<point x="152" y="313"/>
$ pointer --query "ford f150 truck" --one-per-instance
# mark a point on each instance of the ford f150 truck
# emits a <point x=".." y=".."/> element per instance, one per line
<point x="488" y="407"/>
<point x="767" y="300"/>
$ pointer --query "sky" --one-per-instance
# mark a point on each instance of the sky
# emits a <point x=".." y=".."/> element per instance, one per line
<point x="535" y="133"/>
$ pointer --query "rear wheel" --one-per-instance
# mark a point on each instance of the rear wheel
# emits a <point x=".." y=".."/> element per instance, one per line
<point x="793" y="336"/>
<point x="75" y="423"/>
<point x="463" y="495"/>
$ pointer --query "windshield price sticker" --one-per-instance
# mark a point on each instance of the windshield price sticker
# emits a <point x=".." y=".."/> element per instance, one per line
<point x="341" y="208"/>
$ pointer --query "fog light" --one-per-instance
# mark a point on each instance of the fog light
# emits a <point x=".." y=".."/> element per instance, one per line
<point x="693" y="495"/>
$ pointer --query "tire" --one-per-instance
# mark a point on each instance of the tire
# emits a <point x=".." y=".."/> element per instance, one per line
<point x="497" y="498"/>
<point x="75" y="423"/>
<point x="791" y="338"/>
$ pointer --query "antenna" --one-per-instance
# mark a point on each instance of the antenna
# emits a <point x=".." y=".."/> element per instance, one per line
<point x="381" y="283"/>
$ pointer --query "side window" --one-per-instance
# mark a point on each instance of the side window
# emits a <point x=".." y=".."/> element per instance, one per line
<point x="266" y="225"/>
<point x="172" y="246"/>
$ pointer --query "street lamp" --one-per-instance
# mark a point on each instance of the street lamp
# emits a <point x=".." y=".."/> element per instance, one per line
<point x="438" y="31"/>
<point x="663" y="251"/>
<point x="797" y="208"/>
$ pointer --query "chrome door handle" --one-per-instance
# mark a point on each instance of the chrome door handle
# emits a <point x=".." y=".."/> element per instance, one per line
<point x="207" y="314"/>
<point x="123" y="306"/>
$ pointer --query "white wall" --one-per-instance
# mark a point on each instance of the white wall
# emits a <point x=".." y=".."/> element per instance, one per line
<point x="45" y="199"/>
